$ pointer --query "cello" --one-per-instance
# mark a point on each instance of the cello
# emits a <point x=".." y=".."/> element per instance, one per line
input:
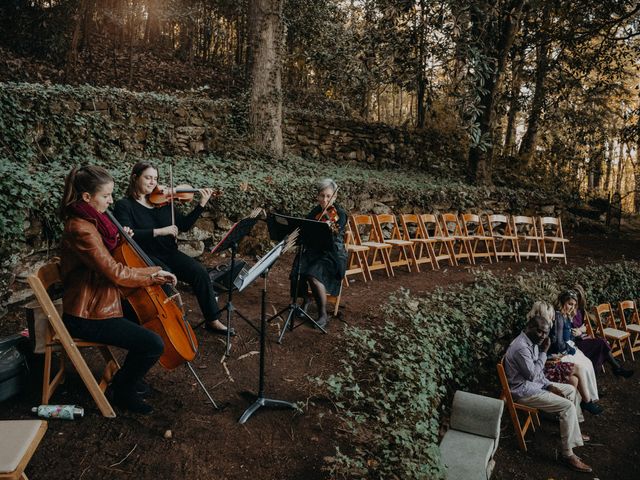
<point x="156" y="306"/>
<point x="159" y="308"/>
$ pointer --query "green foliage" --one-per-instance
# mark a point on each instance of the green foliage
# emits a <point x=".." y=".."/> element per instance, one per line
<point x="398" y="376"/>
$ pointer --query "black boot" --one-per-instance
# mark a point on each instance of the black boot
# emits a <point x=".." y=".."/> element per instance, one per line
<point x="130" y="400"/>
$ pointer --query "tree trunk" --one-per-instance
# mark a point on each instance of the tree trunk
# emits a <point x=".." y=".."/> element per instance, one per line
<point x="480" y="156"/>
<point x="530" y="138"/>
<point x="82" y="19"/>
<point x="420" y="80"/>
<point x="152" y="26"/>
<point x="265" y="110"/>
<point x="517" y="65"/>
<point x="609" y="153"/>
<point x="636" y="177"/>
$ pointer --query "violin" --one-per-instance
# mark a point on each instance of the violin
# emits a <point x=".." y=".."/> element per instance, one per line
<point x="331" y="216"/>
<point x="162" y="196"/>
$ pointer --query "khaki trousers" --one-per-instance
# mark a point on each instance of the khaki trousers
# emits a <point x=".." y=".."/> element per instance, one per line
<point x="568" y="407"/>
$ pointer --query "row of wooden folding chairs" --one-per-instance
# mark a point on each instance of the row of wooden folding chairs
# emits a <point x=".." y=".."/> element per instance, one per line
<point x="620" y="331"/>
<point x="413" y="240"/>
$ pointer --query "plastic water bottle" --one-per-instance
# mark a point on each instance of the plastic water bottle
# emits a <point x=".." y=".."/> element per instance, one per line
<point x="63" y="412"/>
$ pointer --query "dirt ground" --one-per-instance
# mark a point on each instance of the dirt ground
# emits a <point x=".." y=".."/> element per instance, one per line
<point x="284" y="444"/>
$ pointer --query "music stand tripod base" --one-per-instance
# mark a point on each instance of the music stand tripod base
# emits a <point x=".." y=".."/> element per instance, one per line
<point x="263" y="402"/>
<point x="295" y="310"/>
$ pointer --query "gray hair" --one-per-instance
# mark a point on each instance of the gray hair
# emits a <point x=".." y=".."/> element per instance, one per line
<point x="326" y="183"/>
<point x="542" y="309"/>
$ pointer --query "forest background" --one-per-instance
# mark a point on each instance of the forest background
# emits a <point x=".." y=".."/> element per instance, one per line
<point x="513" y="97"/>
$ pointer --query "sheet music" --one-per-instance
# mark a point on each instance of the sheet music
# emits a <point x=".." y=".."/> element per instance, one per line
<point x="246" y="277"/>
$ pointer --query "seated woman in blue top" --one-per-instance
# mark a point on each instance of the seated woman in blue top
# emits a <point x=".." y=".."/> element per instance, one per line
<point x="156" y="235"/>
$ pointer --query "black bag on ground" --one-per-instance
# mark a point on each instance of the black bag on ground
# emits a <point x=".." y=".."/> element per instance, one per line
<point x="14" y="370"/>
<point x="219" y="275"/>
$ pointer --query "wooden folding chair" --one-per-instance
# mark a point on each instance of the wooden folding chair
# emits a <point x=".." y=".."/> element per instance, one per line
<point x="58" y="338"/>
<point x="473" y="229"/>
<point x="18" y="442"/>
<point x="357" y="257"/>
<point x="379" y="257"/>
<point x="406" y="252"/>
<point x="531" y="418"/>
<point x="608" y="329"/>
<point x="591" y="332"/>
<point x="630" y="322"/>
<point x="336" y="301"/>
<point x="551" y="232"/>
<point x="528" y="237"/>
<point x="503" y="232"/>
<point x="442" y="244"/>
<point x="413" y="230"/>
<point x="460" y="243"/>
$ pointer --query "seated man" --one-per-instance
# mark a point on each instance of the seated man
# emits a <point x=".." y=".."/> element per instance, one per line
<point x="524" y="366"/>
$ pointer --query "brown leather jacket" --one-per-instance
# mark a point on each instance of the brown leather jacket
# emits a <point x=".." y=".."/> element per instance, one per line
<point x="91" y="276"/>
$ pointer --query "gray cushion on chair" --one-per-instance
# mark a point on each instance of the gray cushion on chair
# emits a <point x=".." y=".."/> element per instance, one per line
<point x="468" y="447"/>
<point x="476" y="414"/>
<point x="15" y="438"/>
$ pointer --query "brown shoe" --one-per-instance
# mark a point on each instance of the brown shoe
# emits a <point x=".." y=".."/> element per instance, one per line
<point x="574" y="463"/>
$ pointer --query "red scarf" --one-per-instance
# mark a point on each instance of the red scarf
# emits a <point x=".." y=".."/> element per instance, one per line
<point x="108" y="231"/>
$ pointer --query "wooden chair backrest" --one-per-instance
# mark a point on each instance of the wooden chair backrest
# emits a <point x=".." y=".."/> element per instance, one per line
<point x="587" y="323"/>
<point x="388" y="219"/>
<point x="431" y="225"/>
<point x="633" y="316"/>
<point x="498" y="221"/>
<point x="524" y="225"/>
<point x="504" y="383"/>
<point x="363" y="220"/>
<point x="40" y="282"/>
<point x="554" y="222"/>
<point x="412" y="223"/>
<point x="604" y="317"/>
<point x="450" y="224"/>
<point x="472" y="224"/>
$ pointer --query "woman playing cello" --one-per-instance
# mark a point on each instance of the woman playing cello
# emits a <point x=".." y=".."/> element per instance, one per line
<point x="156" y="234"/>
<point x="323" y="271"/>
<point x="91" y="277"/>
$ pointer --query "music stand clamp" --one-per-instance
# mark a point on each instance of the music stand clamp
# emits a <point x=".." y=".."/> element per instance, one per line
<point x="261" y="268"/>
<point x="313" y="234"/>
<point x="236" y="233"/>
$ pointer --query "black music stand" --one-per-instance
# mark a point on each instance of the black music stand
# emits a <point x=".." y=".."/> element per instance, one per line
<point x="314" y="235"/>
<point x="236" y="233"/>
<point x="261" y="268"/>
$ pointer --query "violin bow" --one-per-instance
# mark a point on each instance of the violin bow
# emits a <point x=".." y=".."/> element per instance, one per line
<point x="171" y="193"/>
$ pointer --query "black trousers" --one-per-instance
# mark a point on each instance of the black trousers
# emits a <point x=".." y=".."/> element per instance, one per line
<point x="191" y="271"/>
<point x="144" y="346"/>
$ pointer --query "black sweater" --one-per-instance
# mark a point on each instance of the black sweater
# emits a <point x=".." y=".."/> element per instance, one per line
<point x="143" y="221"/>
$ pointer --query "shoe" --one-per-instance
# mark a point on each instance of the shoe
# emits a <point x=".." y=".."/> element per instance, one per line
<point x="585" y="438"/>
<point x="574" y="463"/>
<point x="591" y="407"/>
<point x="323" y="322"/>
<point x="142" y="388"/>
<point x="218" y="331"/>
<point x="622" y="372"/>
<point x="131" y="401"/>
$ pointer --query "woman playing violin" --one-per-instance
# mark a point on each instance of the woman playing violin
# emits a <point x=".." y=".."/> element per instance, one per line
<point x="323" y="271"/>
<point x="156" y="234"/>
<point x="91" y="277"/>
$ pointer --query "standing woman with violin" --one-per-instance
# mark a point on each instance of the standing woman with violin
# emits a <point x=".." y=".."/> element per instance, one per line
<point x="323" y="271"/>
<point x="155" y="232"/>
<point x="91" y="277"/>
